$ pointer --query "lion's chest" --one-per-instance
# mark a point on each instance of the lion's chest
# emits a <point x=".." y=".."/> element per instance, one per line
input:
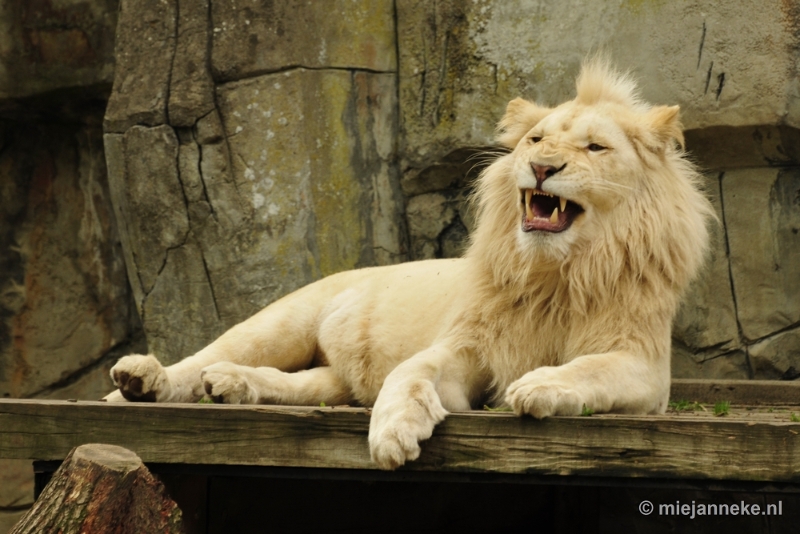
<point x="520" y="340"/>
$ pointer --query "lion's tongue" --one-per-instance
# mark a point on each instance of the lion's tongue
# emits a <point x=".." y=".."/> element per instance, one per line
<point x="540" y="208"/>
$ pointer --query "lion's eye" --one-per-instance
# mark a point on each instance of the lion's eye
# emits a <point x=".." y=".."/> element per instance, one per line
<point x="594" y="147"/>
<point x="535" y="139"/>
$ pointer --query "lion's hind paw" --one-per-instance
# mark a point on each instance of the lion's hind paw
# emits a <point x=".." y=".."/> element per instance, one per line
<point x="226" y="383"/>
<point x="139" y="379"/>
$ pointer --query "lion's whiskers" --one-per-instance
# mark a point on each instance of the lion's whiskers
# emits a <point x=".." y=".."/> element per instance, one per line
<point x="602" y="184"/>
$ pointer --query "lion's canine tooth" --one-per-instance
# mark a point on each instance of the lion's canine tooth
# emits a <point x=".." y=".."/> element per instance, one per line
<point x="528" y="210"/>
<point x="554" y="216"/>
<point x="563" y="203"/>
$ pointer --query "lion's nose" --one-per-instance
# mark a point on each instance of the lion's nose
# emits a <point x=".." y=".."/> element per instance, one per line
<point x="543" y="172"/>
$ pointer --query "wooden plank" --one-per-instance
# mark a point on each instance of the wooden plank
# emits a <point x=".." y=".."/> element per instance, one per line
<point x="750" y="392"/>
<point x="669" y="446"/>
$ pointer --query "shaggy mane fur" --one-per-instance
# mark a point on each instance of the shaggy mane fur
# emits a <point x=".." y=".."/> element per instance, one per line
<point x="599" y="82"/>
<point x="598" y="296"/>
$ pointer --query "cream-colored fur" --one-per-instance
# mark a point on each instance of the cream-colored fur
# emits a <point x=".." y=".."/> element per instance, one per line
<point x="543" y="321"/>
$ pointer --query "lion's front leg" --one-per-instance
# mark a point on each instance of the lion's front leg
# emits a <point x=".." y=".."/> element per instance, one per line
<point x="404" y="414"/>
<point x="415" y="397"/>
<point x="611" y="382"/>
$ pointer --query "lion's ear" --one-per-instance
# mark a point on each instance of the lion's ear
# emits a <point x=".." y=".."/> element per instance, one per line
<point x="520" y="117"/>
<point x="665" y="124"/>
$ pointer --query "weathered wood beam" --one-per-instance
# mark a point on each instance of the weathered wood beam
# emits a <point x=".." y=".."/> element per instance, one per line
<point x="752" y="392"/>
<point x="684" y="446"/>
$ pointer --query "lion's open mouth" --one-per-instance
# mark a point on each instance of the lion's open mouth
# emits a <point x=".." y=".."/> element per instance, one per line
<point x="547" y="212"/>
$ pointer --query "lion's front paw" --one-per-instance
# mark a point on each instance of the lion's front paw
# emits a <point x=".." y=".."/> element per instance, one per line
<point x="400" y="421"/>
<point x="225" y="383"/>
<point x="542" y="398"/>
<point x="139" y="378"/>
<point x="392" y="447"/>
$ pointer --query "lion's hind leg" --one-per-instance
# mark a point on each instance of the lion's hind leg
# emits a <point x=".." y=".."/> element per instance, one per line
<point x="229" y="383"/>
<point x="281" y="336"/>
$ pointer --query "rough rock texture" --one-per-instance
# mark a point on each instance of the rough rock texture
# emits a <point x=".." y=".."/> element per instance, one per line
<point x="141" y="86"/>
<point x="705" y="326"/>
<point x="191" y="89"/>
<point x="51" y="45"/>
<point x="727" y="63"/>
<point x="762" y="215"/>
<point x="16" y="491"/>
<point x="247" y="173"/>
<point x="150" y="188"/>
<point x="777" y="356"/>
<point x="253" y="38"/>
<point x="438" y="211"/>
<point x="64" y="300"/>
<point x="731" y="365"/>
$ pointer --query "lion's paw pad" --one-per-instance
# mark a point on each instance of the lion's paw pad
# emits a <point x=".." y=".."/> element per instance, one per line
<point x="139" y="378"/>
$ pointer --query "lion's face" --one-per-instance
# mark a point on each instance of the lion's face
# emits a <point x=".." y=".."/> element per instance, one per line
<point x="576" y="167"/>
<point x="595" y="202"/>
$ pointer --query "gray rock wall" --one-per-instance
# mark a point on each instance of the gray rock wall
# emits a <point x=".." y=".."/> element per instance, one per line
<point x="251" y="150"/>
<point x="65" y="304"/>
<point x="728" y="63"/>
<point x="64" y="297"/>
<point x="55" y="56"/>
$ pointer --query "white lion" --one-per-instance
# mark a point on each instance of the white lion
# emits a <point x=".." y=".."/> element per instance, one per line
<point x="587" y="233"/>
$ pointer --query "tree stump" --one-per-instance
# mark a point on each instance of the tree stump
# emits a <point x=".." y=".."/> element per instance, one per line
<point x="102" y="489"/>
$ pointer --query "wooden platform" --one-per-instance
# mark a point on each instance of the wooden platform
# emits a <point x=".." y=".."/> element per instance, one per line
<point x="757" y="441"/>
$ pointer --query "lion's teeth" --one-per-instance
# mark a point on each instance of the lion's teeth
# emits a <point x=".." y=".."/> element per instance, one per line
<point x="554" y="216"/>
<point x="563" y="203"/>
<point x="528" y="210"/>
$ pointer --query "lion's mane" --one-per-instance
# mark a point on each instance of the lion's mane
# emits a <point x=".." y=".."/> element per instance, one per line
<point x="618" y="291"/>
